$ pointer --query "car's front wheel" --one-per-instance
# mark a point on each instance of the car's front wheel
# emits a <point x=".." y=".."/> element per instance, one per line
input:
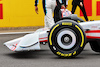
<point x="66" y="39"/>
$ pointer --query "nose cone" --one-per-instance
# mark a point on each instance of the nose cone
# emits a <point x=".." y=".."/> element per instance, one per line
<point x="11" y="46"/>
<point x="13" y="43"/>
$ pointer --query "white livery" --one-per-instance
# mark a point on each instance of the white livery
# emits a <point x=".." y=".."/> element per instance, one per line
<point x="32" y="41"/>
<point x="29" y="41"/>
<point x="66" y="38"/>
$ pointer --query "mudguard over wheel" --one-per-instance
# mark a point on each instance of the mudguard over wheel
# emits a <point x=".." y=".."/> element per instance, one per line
<point x="95" y="45"/>
<point x="66" y="39"/>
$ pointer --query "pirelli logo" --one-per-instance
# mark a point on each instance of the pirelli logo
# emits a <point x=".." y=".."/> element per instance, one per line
<point x="89" y="7"/>
<point x="68" y="23"/>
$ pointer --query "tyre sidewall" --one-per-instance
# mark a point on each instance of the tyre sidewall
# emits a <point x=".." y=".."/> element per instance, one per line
<point x="79" y="33"/>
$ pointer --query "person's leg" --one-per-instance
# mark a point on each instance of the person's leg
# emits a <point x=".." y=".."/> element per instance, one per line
<point x="45" y="12"/>
<point x="49" y="21"/>
<point x="84" y="12"/>
<point x="56" y="14"/>
<point x="49" y="6"/>
<point x="73" y="8"/>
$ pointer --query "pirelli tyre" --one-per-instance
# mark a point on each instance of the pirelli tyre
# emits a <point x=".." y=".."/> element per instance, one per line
<point x="66" y="39"/>
<point x="95" y="45"/>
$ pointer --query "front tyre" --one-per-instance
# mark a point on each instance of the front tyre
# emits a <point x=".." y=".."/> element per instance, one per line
<point x="66" y="39"/>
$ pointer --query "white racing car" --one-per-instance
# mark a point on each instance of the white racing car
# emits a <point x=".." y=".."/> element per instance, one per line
<point x="66" y="38"/>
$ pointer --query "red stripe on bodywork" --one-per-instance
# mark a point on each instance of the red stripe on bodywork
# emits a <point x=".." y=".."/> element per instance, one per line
<point x="44" y="41"/>
<point x="14" y="48"/>
<point x="43" y="38"/>
<point x="16" y="44"/>
<point x="92" y="37"/>
<point x="93" y="31"/>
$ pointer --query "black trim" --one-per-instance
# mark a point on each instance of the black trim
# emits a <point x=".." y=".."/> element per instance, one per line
<point x="44" y="7"/>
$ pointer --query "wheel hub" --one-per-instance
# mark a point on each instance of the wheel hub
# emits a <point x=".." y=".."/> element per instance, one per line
<point x="66" y="39"/>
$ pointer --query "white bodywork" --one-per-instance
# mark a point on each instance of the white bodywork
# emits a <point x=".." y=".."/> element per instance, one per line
<point x="29" y="41"/>
<point x="92" y="25"/>
<point x="32" y="41"/>
<point x="92" y="29"/>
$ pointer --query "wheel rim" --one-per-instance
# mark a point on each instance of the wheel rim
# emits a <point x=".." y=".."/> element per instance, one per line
<point x="66" y="38"/>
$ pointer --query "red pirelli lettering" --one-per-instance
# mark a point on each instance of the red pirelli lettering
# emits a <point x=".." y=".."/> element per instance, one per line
<point x="98" y="8"/>
<point x="88" y="7"/>
<point x="1" y="11"/>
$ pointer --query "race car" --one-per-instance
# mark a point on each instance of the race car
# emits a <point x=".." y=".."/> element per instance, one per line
<point x="67" y="38"/>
